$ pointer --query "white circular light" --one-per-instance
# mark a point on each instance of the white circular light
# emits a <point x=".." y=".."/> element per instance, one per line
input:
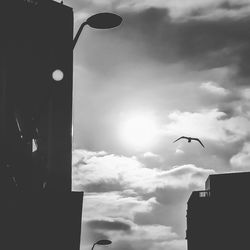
<point x="57" y="75"/>
<point x="139" y="131"/>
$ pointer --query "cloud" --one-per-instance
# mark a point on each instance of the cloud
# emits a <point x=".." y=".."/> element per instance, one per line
<point x="113" y="225"/>
<point x="150" y="155"/>
<point x="148" y="34"/>
<point x="122" y="206"/>
<point x="144" y="208"/>
<point x="150" y="160"/>
<point x="102" y="186"/>
<point x="188" y="175"/>
<point x="177" y="244"/>
<point x="179" y="151"/>
<point x="136" y="193"/>
<point x="131" y="234"/>
<point x="113" y="215"/>
<point x="246" y="93"/>
<point x="152" y="237"/>
<point x="147" y="233"/>
<point x="179" y="10"/>
<point x="208" y="124"/>
<point x="80" y="156"/>
<point x="129" y="173"/>
<point x="242" y="159"/>
<point x="123" y="245"/>
<point x="214" y="88"/>
<point x="221" y="10"/>
<point x="242" y="106"/>
<point x="89" y="236"/>
<point x="197" y="44"/>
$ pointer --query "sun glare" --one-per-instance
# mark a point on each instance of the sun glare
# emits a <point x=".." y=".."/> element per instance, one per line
<point x="139" y="131"/>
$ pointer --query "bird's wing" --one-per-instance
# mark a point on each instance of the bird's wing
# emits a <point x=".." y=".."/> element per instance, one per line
<point x="197" y="139"/>
<point x="182" y="137"/>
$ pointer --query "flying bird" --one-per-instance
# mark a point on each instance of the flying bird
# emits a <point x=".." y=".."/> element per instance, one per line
<point x="190" y="139"/>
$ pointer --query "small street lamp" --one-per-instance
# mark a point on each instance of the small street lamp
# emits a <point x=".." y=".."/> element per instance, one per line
<point x="101" y="242"/>
<point x="99" y="21"/>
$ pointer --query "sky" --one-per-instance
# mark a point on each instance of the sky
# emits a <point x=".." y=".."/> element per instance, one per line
<point x="172" y="68"/>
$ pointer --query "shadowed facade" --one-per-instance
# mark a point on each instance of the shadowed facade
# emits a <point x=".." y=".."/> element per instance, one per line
<point x="218" y="217"/>
<point x="38" y="209"/>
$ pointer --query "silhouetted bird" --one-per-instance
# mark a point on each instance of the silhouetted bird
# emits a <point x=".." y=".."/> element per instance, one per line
<point x="190" y="139"/>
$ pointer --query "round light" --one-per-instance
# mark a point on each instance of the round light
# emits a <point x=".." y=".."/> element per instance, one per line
<point x="57" y="75"/>
<point x="103" y="242"/>
<point x="104" y="20"/>
<point x="139" y="130"/>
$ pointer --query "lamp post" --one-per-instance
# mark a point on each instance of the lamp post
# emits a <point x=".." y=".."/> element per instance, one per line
<point x="101" y="242"/>
<point x="99" y="21"/>
<point x="103" y="20"/>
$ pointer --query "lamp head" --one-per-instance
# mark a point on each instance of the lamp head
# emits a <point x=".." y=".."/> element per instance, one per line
<point x="104" y="20"/>
<point x="103" y="242"/>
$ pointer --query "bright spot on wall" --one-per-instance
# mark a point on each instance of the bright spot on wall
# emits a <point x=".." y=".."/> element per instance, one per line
<point x="57" y="75"/>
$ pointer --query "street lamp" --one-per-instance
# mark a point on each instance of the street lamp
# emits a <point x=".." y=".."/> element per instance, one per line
<point x="99" y="21"/>
<point x="101" y="242"/>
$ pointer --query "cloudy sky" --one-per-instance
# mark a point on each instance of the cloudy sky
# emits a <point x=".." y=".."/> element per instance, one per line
<point x="173" y="68"/>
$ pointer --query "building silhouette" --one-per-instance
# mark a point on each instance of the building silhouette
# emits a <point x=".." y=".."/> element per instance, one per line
<point x="38" y="210"/>
<point x="218" y="217"/>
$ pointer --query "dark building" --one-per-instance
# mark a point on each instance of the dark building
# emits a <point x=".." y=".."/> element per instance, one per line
<point x="36" y="110"/>
<point x="38" y="209"/>
<point x="218" y="217"/>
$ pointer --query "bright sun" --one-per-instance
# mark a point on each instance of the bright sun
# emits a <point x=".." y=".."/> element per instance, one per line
<point x="139" y="130"/>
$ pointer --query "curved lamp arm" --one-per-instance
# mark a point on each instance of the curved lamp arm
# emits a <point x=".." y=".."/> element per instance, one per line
<point x="93" y="246"/>
<point x="78" y="34"/>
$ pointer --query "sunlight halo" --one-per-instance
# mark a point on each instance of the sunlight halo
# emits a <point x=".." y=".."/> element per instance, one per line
<point x="139" y="131"/>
